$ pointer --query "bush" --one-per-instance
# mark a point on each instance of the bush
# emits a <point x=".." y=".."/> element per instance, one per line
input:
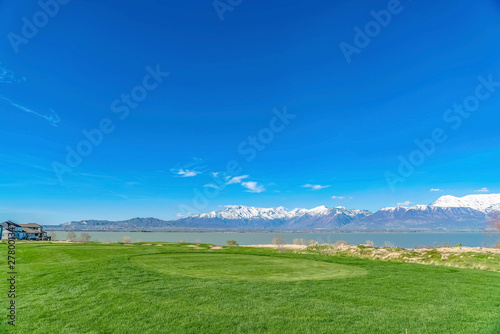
<point x="370" y="243"/>
<point x="126" y="239"/>
<point x="388" y="244"/>
<point x="232" y="243"/>
<point x="341" y="243"/>
<point x="313" y="243"/>
<point x="85" y="237"/>
<point x="71" y="236"/>
<point x="458" y="245"/>
<point x="279" y="240"/>
<point x="299" y="241"/>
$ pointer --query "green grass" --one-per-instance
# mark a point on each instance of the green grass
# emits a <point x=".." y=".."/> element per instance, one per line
<point x="94" y="288"/>
<point x="245" y="267"/>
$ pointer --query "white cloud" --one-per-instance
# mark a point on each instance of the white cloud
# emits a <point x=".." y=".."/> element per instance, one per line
<point x="482" y="190"/>
<point x="117" y="194"/>
<point x="236" y="179"/>
<point x="50" y="116"/>
<point x="253" y="187"/>
<point x="314" y="186"/>
<point x="435" y="189"/>
<point x="214" y="174"/>
<point x="211" y="185"/>
<point x="8" y="76"/>
<point x="179" y="214"/>
<point x="339" y="197"/>
<point x="185" y="172"/>
<point x="405" y="203"/>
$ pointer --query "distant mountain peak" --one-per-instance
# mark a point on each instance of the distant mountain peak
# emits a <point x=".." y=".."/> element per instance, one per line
<point x="482" y="202"/>
<point x="447" y="213"/>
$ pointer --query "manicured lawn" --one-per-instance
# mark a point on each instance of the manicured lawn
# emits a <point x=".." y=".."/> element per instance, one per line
<point x="97" y="288"/>
<point x="245" y="267"/>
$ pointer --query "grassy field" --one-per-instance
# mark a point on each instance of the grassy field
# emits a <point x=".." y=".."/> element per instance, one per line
<point x="119" y="288"/>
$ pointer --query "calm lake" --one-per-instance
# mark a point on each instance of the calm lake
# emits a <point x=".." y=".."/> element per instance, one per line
<point x="405" y="240"/>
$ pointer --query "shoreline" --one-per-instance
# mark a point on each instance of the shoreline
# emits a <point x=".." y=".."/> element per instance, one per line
<point x="274" y="231"/>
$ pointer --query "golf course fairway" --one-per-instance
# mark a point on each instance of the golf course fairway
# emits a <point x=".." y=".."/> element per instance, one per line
<point x="78" y="288"/>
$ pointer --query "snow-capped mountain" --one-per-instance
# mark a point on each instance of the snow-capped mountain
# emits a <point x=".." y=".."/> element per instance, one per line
<point x="238" y="216"/>
<point x="245" y="212"/>
<point x="422" y="218"/>
<point x="482" y="202"/>
<point x="448" y="213"/>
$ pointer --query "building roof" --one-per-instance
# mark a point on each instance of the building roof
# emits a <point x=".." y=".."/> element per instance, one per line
<point x="30" y="225"/>
<point x="4" y="224"/>
<point x="30" y="230"/>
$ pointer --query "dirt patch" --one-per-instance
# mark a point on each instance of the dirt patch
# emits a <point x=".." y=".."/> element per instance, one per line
<point x="282" y="246"/>
<point x="468" y="250"/>
<point x="146" y="244"/>
<point x="159" y="245"/>
<point x="195" y="246"/>
<point x="216" y="247"/>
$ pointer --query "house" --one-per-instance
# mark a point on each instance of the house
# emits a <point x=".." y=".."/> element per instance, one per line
<point x="10" y="227"/>
<point x="34" y="231"/>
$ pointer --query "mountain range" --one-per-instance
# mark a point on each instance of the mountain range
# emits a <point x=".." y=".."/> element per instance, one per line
<point x="448" y="213"/>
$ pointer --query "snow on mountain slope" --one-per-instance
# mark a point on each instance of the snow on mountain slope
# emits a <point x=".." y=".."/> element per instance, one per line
<point x="482" y="202"/>
<point x="421" y="217"/>
<point x="245" y="212"/>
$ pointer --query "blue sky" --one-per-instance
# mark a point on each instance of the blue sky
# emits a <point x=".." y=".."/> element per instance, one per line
<point x="350" y="123"/>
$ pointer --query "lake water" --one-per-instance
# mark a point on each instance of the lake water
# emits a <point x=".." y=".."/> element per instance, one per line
<point x="405" y="240"/>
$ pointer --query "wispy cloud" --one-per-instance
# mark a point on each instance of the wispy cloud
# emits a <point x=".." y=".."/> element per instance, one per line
<point x="405" y="203"/>
<point x="253" y="187"/>
<point x="314" y="186"/>
<point x="435" y="189"/>
<point x="51" y="116"/>
<point x="211" y="185"/>
<point x="339" y="197"/>
<point x="185" y="172"/>
<point x="482" y="190"/>
<point x="8" y="76"/>
<point x="119" y="195"/>
<point x="236" y="179"/>
<point x="190" y="169"/>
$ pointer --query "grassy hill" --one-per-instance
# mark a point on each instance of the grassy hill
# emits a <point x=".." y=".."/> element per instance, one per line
<point x="173" y="288"/>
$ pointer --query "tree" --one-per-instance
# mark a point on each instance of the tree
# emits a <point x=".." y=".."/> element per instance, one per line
<point x="232" y="243"/>
<point x="85" y="237"/>
<point x="53" y="236"/>
<point x="278" y="241"/>
<point x="299" y="241"/>
<point x="126" y="239"/>
<point x="71" y="236"/>
<point x="494" y="220"/>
